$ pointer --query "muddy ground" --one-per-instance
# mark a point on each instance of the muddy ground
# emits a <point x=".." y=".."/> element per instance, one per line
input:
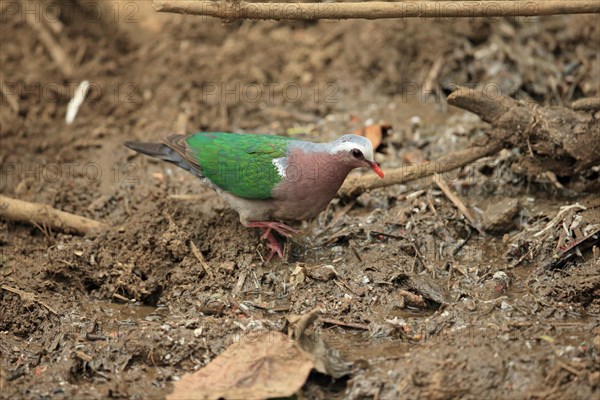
<point x="440" y="310"/>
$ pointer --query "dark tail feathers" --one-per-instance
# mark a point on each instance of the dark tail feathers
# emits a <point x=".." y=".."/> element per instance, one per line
<point x="158" y="150"/>
<point x="167" y="153"/>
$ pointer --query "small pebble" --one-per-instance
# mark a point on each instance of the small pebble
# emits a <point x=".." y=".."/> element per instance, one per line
<point x="321" y="273"/>
<point x="415" y="121"/>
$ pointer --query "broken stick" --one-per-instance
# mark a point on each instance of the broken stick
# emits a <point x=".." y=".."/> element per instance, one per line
<point x="45" y="215"/>
<point x="439" y="181"/>
<point x="58" y="54"/>
<point x="192" y="197"/>
<point x="559" y="139"/>
<point x="28" y="297"/>
<point x="587" y="104"/>
<point x="200" y="258"/>
<point x="337" y="322"/>
<point x="233" y="10"/>
<point x="356" y="184"/>
<point x="11" y="97"/>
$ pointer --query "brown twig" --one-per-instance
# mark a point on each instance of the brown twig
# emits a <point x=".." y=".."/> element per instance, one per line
<point x="337" y="322"/>
<point x="569" y="368"/>
<point x="28" y="297"/>
<point x="558" y="217"/>
<point x="200" y="258"/>
<point x="560" y="140"/>
<point x="297" y="324"/>
<point x="233" y="10"/>
<point x="192" y="197"/>
<point x="11" y="98"/>
<point x="356" y="184"/>
<point x="82" y="356"/>
<point x="358" y="257"/>
<point x="439" y="181"/>
<point x="57" y="53"/>
<point x="587" y="104"/>
<point x="431" y="85"/>
<point x="570" y="251"/>
<point x="241" y="307"/>
<point x="121" y="297"/>
<point x="45" y="215"/>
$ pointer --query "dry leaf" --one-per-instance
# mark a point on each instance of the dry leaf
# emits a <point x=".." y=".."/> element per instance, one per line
<point x="259" y="366"/>
<point x="375" y="133"/>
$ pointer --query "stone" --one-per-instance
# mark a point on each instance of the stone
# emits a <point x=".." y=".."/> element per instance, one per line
<point x="499" y="216"/>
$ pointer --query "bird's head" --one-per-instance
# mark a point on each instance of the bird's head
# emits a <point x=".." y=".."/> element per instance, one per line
<point x="356" y="151"/>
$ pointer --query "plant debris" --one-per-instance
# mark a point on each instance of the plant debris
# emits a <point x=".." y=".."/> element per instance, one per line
<point x="414" y="302"/>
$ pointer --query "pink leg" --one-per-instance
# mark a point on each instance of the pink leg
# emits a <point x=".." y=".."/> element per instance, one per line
<point x="267" y="227"/>
<point x="283" y="229"/>
<point x="272" y="243"/>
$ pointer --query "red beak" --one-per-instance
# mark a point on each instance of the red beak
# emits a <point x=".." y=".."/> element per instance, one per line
<point x="376" y="168"/>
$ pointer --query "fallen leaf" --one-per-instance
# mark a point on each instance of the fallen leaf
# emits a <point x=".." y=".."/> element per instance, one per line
<point x="261" y="365"/>
<point x="300" y="130"/>
<point x="375" y="133"/>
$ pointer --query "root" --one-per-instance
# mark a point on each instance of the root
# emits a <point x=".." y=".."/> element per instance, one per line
<point x="45" y="215"/>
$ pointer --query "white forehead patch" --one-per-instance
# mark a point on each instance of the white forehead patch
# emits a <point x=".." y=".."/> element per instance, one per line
<point x="349" y="142"/>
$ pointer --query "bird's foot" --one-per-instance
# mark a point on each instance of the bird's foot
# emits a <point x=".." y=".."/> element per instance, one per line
<point x="272" y="243"/>
<point x="283" y="229"/>
<point x="268" y="228"/>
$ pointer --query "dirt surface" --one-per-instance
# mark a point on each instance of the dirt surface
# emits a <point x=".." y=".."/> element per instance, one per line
<point x="440" y="310"/>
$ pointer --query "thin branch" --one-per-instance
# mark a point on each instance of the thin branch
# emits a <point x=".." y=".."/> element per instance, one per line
<point x="562" y="141"/>
<point x="356" y="184"/>
<point x="337" y="322"/>
<point x="558" y="217"/>
<point x="11" y="97"/>
<point x="28" y="297"/>
<point x="457" y="202"/>
<point x="200" y="258"/>
<point x="192" y="197"/>
<point x="233" y="10"/>
<point x="587" y="104"/>
<point x="58" y="54"/>
<point x="45" y="215"/>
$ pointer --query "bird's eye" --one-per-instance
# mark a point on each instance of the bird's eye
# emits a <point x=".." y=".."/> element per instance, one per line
<point x="356" y="153"/>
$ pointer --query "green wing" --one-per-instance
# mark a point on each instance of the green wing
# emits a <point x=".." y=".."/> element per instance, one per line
<point x="237" y="163"/>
